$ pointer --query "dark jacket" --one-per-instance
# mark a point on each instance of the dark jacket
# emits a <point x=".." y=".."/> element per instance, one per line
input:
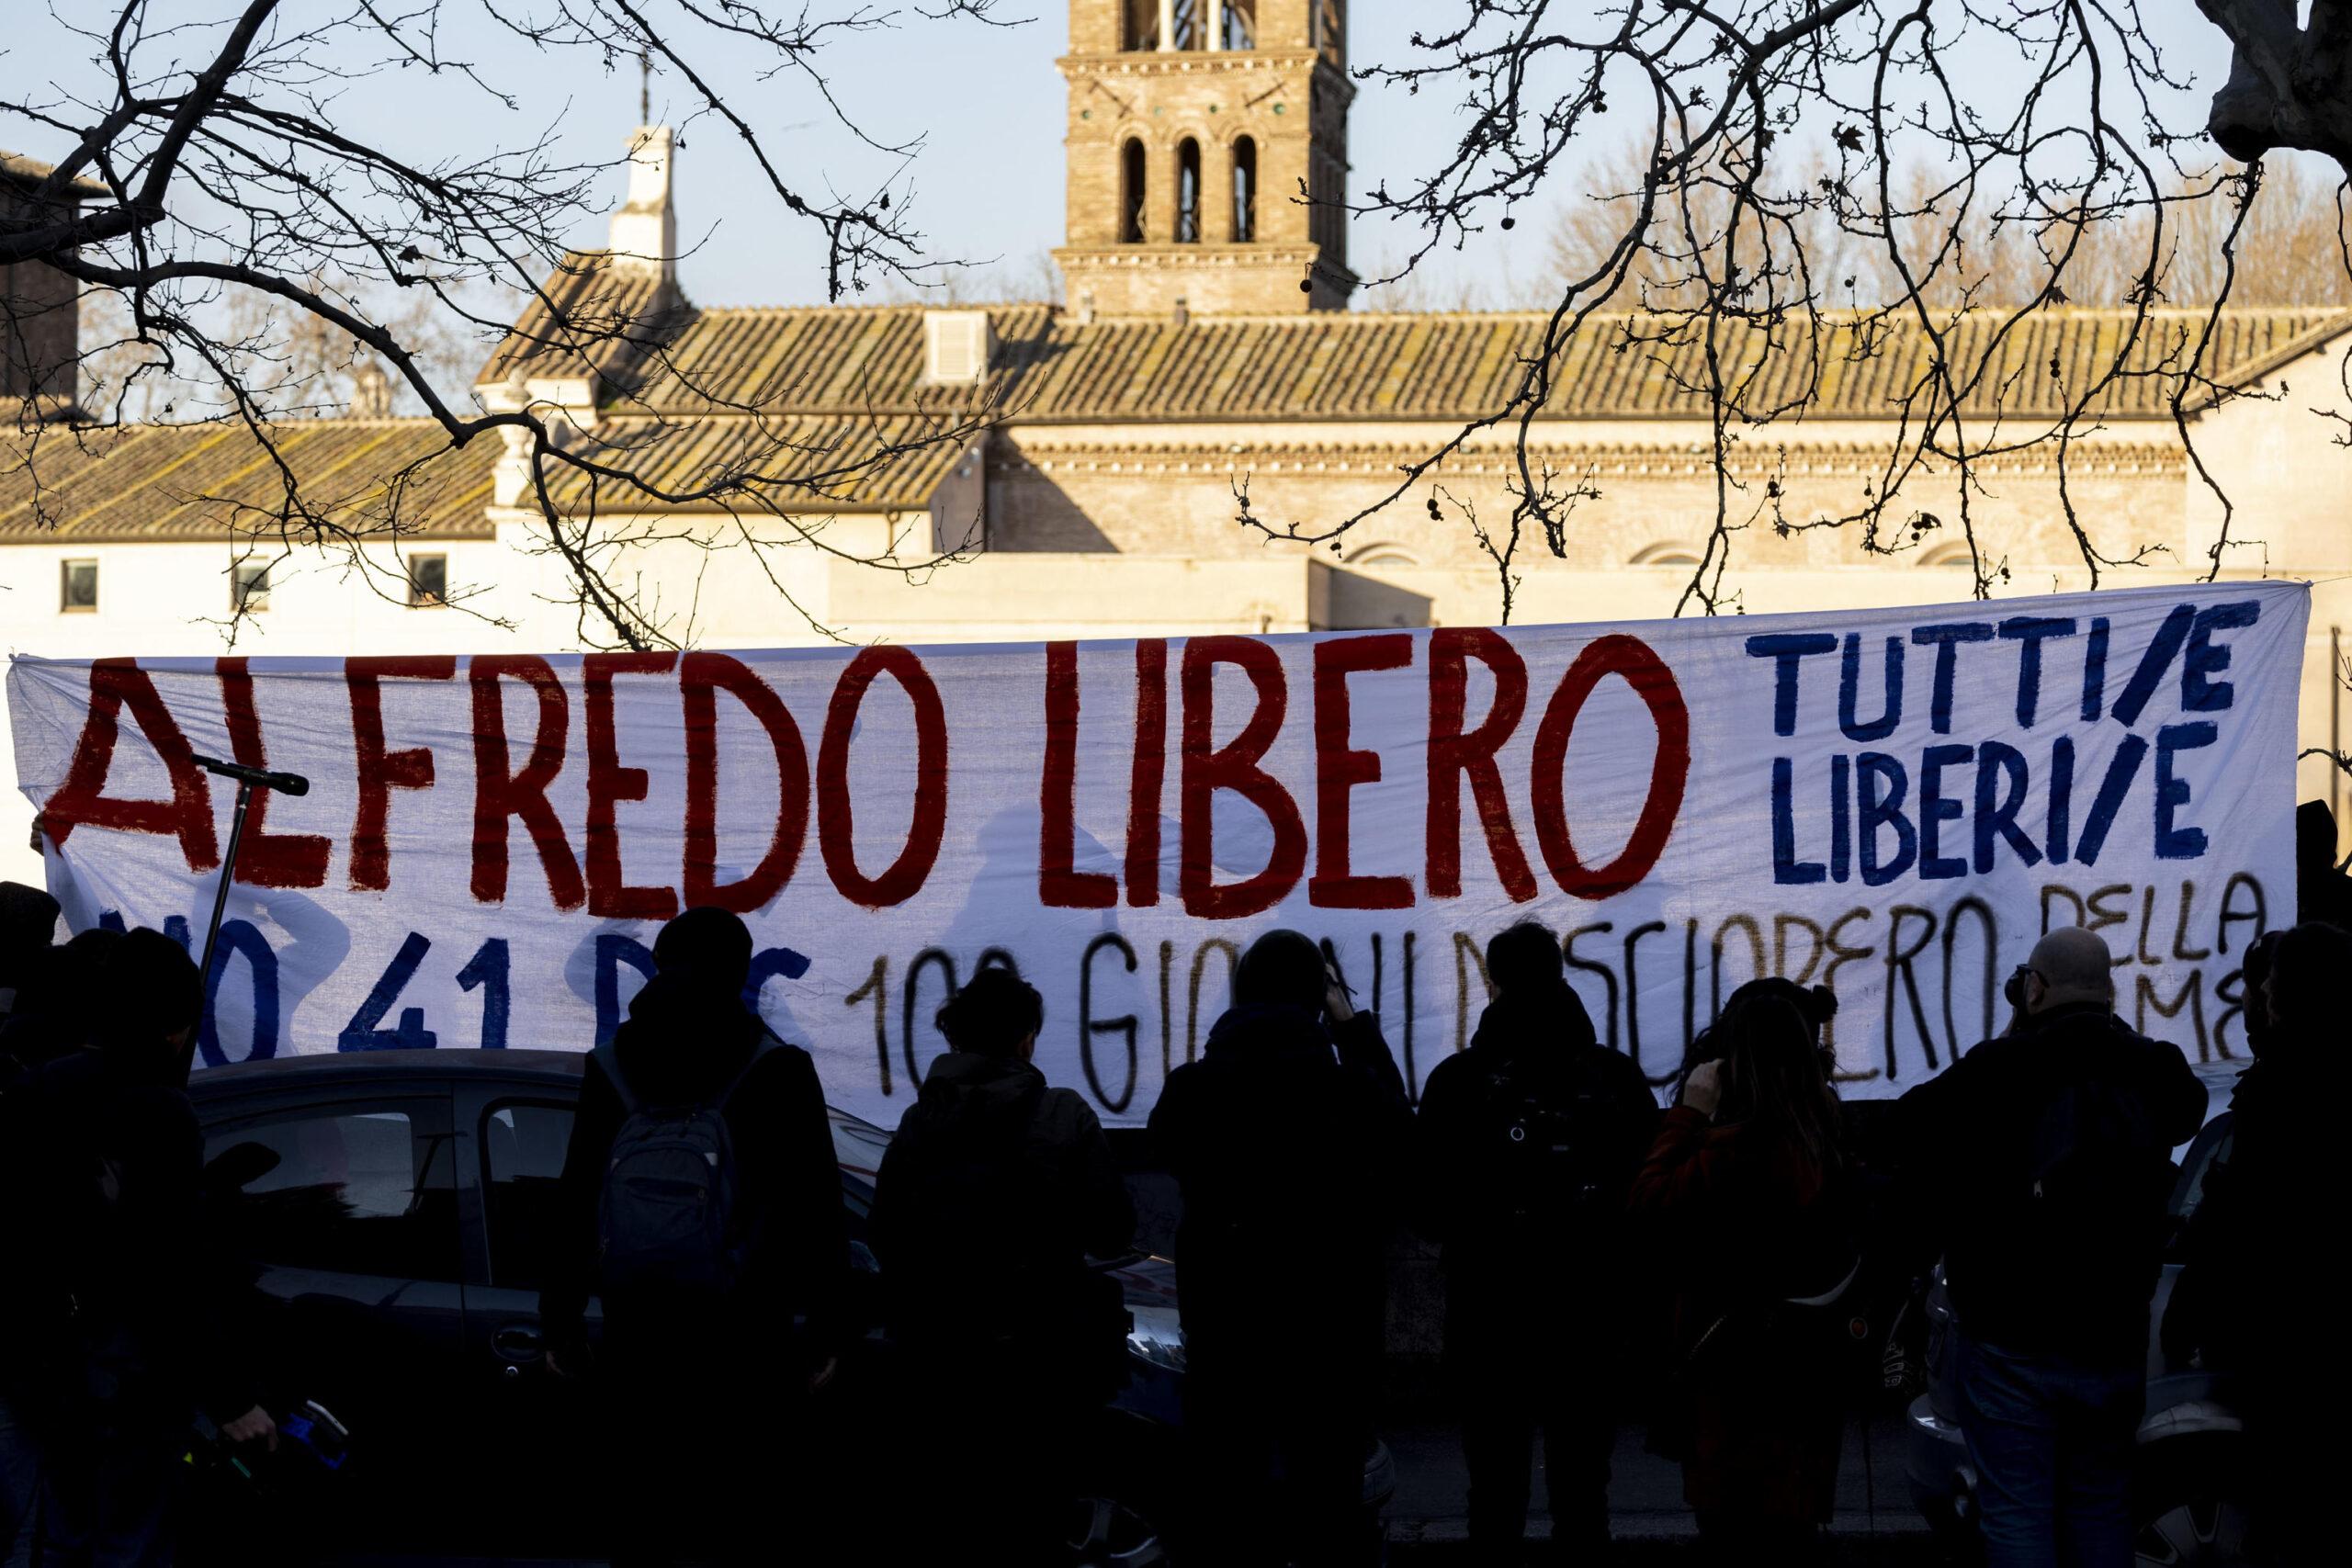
<point x="110" y="1211"/>
<point x="993" y="1193"/>
<point x="676" y="1049"/>
<point x="2017" y="1280"/>
<point x="1287" y="1141"/>
<point x="2253" y="1246"/>
<point x="1745" y="1221"/>
<point x="1504" y="1245"/>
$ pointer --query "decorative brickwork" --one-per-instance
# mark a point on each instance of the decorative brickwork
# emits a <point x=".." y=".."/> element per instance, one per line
<point x="1184" y="164"/>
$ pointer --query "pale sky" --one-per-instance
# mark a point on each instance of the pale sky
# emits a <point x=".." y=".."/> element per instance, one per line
<point x="987" y="183"/>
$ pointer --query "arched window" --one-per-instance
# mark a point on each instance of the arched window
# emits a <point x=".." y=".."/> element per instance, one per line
<point x="1142" y="28"/>
<point x="1323" y="24"/>
<point x="1245" y="190"/>
<point x="1241" y="24"/>
<point x="1189" y="25"/>
<point x="1385" y="555"/>
<point x="1955" y="553"/>
<point x="1131" y="177"/>
<point x="1188" y="192"/>
<point x="1666" y="554"/>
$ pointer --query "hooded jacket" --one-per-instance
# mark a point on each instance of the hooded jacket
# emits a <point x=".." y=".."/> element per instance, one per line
<point x="995" y="1191"/>
<point x="683" y="1046"/>
<point x="1288" y="1141"/>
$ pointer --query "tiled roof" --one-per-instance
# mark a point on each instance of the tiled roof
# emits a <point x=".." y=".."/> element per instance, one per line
<point x="197" y="481"/>
<point x="1456" y="367"/>
<point x="593" y="313"/>
<point x="1050" y="368"/>
<point x="849" y="360"/>
<point x="811" y="463"/>
<point x="28" y="173"/>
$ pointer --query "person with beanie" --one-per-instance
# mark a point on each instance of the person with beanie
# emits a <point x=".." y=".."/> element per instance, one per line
<point x="1286" y="1138"/>
<point x="1530" y="1139"/>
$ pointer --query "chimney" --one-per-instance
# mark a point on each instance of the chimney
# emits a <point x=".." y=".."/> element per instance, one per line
<point x="957" y="347"/>
<point x="645" y="229"/>
<point x="1183" y="314"/>
<point x="39" y="337"/>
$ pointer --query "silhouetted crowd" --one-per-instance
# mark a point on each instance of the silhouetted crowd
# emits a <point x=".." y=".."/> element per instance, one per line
<point x="1750" y="1264"/>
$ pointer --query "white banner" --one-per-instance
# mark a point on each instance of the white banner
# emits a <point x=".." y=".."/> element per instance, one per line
<point x="1894" y="801"/>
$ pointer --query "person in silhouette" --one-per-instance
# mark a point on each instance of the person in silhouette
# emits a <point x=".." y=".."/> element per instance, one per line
<point x="28" y="923"/>
<point x="2254" y="1254"/>
<point x="994" y="1192"/>
<point x="1751" y="1197"/>
<point x="1530" y="1139"/>
<point x="1285" y="1138"/>
<point x="2047" y="1153"/>
<point x="709" y="1352"/>
<point x="127" y="1319"/>
<point x="2323" y="892"/>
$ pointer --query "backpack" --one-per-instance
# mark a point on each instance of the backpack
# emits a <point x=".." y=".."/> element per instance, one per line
<point x="1551" y="1159"/>
<point x="670" y="1219"/>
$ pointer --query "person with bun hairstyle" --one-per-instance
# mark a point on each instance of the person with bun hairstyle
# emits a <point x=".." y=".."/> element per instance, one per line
<point x="994" y="1192"/>
<point x="1751" y="1195"/>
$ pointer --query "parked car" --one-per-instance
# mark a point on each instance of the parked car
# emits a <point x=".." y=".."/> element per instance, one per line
<point x="396" y="1203"/>
<point x="2187" y="1486"/>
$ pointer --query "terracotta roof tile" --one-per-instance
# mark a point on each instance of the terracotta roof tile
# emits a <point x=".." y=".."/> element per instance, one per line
<point x="809" y="464"/>
<point x="1050" y="368"/>
<point x="201" y="481"/>
<point x="594" y="314"/>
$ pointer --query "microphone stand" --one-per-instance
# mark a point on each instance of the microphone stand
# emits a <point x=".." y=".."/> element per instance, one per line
<point x="248" y="780"/>
<point x="228" y="875"/>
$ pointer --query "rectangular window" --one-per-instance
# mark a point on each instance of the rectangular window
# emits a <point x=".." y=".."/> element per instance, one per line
<point x="428" y="581"/>
<point x="78" y="586"/>
<point x="348" y="1192"/>
<point x="249" y="586"/>
<point x="522" y="1147"/>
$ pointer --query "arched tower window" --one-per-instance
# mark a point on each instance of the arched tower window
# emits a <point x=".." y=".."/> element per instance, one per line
<point x="1131" y="193"/>
<point x="1188" y="24"/>
<point x="1188" y="192"/>
<point x="1141" y="29"/>
<point x="1241" y="24"/>
<point x="1324" y="24"/>
<point x="1245" y="190"/>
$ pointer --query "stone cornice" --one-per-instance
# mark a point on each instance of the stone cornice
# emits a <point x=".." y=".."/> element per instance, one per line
<point x="1610" y="460"/>
<point x="1190" y="62"/>
<point x="1295" y="257"/>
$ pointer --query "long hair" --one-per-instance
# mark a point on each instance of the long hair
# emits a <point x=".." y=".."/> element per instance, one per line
<point x="1772" y="1078"/>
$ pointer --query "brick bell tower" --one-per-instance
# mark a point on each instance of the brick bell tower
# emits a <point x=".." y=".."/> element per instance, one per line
<point x="1193" y="124"/>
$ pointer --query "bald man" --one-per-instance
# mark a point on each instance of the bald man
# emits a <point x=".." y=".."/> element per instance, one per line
<point x="2048" y="1153"/>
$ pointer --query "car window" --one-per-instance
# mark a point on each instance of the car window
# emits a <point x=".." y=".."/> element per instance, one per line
<point x="522" y="1151"/>
<point x="347" y="1191"/>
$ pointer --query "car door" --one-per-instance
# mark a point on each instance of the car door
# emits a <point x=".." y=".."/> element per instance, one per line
<point x="513" y="1136"/>
<point x="345" y="1204"/>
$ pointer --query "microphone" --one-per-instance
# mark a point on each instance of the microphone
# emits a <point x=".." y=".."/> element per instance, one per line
<point x="284" y="784"/>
